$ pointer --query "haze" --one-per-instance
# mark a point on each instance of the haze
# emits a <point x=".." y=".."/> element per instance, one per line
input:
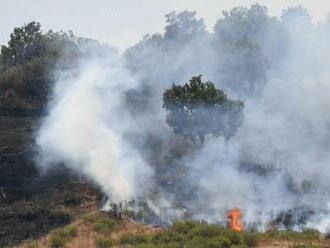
<point x="123" y="23"/>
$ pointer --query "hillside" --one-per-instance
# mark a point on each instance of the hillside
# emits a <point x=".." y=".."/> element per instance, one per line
<point x="98" y="229"/>
<point x="32" y="203"/>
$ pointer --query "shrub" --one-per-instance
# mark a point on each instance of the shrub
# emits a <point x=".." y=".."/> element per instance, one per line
<point x="104" y="226"/>
<point x="311" y="234"/>
<point x="128" y="239"/>
<point x="62" y="235"/>
<point x="167" y="237"/>
<point x="63" y="216"/>
<point x="184" y="227"/>
<point x="306" y="234"/>
<point x="103" y="243"/>
<point x="209" y="242"/>
<point x="251" y="239"/>
<point x="205" y="230"/>
<point x="93" y="217"/>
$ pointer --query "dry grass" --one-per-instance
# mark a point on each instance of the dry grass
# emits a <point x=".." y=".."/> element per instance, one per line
<point x="95" y="229"/>
<point x="86" y="234"/>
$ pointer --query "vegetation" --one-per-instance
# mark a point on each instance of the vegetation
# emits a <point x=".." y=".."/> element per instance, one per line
<point x="28" y="64"/>
<point x="104" y="226"/>
<point x="103" y="243"/>
<point x="198" y="108"/>
<point x="128" y="239"/>
<point x="306" y="234"/>
<point x="188" y="233"/>
<point x="60" y="236"/>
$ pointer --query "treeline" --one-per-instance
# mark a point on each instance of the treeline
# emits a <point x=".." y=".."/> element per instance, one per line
<point x="28" y="66"/>
<point x="245" y="46"/>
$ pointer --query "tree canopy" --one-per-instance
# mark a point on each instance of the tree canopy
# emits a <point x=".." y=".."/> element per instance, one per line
<point x="198" y="108"/>
<point x="28" y="62"/>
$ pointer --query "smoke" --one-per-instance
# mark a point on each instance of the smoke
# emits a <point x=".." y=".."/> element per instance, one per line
<point x="107" y="122"/>
<point x="86" y="126"/>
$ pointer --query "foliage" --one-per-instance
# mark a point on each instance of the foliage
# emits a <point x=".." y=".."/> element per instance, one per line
<point x="104" y="226"/>
<point x="60" y="236"/>
<point x="199" y="108"/>
<point x="196" y="234"/>
<point x="25" y="43"/>
<point x="183" y="26"/>
<point x="28" y="62"/>
<point x="101" y="222"/>
<point x="305" y="234"/>
<point x="103" y="243"/>
<point x="62" y="215"/>
<point x="133" y="239"/>
<point x="241" y="35"/>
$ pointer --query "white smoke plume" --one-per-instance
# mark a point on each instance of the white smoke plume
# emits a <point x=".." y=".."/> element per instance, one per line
<point x="85" y="130"/>
<point x="107" y="121"/>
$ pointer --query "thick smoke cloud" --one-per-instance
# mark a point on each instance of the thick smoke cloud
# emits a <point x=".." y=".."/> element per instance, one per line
<point x="107" y="120"/>
<point x="85" y="129"/>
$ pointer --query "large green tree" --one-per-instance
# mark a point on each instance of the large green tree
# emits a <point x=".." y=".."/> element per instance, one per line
<point x="25" y="43"/>
<point x="28" y="63"/>
<point x="198" y="108"/>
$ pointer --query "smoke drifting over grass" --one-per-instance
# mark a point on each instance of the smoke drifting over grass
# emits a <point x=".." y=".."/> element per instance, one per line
<point x="107" y="121"/>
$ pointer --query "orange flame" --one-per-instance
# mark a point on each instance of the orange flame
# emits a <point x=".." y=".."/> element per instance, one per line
<point x="234" y="217"/>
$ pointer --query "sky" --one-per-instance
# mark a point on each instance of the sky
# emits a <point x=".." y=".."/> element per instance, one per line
<point x="122" y="23"/>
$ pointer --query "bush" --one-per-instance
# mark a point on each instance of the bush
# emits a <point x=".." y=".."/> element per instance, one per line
<point x="311" y="234"/>
<point x="167" y="237"/>
<point x="103" y="243"/>
<point x="306" y="234"/>
<point x="251" y="239"/>
<point x="205" y="230"/>
<point x="93" y="217"/>
<point x="104" y="226"/>
<point x="128" y="239"/>
<point x="62" y="216"/>
<point x="62" y="235"/>
<point x="184" y="227"/>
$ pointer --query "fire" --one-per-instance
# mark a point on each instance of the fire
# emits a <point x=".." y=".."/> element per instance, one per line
<point x="234" y="217"/>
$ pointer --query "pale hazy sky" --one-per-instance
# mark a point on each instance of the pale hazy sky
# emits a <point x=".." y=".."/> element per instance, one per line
<point x="124" y="22"/>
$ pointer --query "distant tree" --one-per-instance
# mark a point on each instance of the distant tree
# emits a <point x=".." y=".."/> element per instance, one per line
<point x="296" y="15"/>
<point x="25" y="43"/>
<point x="198" y="108"/>
<point x="183" y="26"/>
<point x="28" y="61"/>
<point x="242" y="37"/>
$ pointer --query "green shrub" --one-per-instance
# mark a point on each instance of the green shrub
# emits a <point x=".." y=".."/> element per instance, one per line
<point x="311" y="234"/>
<point x="251" y="239"/>
<point x="105" y="226"/>
<point x="205" y="230"/>
<point x="129" y="239"/>
<point x="93" y="217"/>
<point x="60" y="236"/>
<point x="63" y="216"/>
<point x="306" y="234"/>
<point x="184" y="227"/>
<point x="167" y="237"/>
<point x="209" y="242"/>
<point x="103" y="243"/>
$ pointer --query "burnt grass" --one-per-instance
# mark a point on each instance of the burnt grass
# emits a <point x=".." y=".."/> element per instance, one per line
<point x="33" y="202"/>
